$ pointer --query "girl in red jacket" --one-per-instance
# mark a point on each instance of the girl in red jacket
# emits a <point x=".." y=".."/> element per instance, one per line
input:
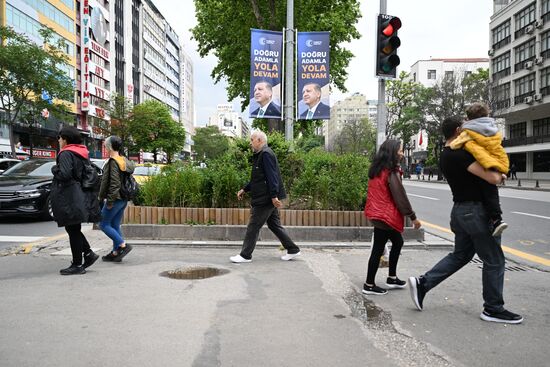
<point x="387" y="205"/>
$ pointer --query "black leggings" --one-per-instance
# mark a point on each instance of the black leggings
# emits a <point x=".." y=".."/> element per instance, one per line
<point x="381" y="236"/>
<point x="79" y="244"/>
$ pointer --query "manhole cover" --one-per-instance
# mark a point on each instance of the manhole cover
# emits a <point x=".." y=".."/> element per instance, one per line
<point x="195" y="272"/>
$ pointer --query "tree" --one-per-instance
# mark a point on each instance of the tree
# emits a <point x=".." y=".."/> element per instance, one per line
<point x="357" y="136"/>
<point x="210" y="143"/>
<point x="153" y="129"/>
<point x="31" y="77"/>
<point x="231" y="43"/>
<point x="404" y="117"/>
<point x="120" y="111"/>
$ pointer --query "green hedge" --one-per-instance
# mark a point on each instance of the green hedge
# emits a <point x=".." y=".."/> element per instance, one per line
<point x="313" y="180"/>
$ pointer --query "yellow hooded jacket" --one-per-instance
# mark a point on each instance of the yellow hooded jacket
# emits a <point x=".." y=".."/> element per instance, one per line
<point x="487" y="150"/>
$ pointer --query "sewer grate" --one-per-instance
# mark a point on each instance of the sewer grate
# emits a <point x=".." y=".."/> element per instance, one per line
<point x="516" y="268"/>
<point x="194" y="272"/>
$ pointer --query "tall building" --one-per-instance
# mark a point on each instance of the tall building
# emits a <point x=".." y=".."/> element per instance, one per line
<point x="354" y="107"/>
<point x="27" y="17"/>
<point x="228" y="121"/>
<point x="520" y="75"/>
<point x="187" y="105"/>
<point x="428" y="73"/>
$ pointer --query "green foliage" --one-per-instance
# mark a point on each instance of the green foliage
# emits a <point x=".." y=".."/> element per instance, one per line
<point x="210" y="143"/>
<point x="309" y="142"/>
<point x="358" y="137"/>
<point x="28" y="69"/>
<point x="120" y="110"/>
<point x="231" y="43"/>
<point x="152" y="129"/>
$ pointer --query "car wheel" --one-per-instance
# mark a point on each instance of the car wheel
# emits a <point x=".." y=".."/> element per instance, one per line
<point x="47" y="214"/>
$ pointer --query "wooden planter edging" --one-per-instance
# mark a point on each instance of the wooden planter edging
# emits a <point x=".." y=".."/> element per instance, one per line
<point x="239" y="216"/>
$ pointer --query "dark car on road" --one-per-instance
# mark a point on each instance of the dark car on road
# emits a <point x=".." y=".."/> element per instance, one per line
<point x="25" y="189"/>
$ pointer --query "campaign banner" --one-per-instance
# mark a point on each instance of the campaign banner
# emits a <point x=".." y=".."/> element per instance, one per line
<point x="266" y="59"/>
<point x="313" y="75"/>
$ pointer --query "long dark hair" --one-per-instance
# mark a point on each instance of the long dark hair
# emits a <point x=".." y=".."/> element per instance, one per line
<point x="386" y="157"/>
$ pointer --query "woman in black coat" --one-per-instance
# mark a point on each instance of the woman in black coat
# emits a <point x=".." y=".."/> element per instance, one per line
<point x="70" y="204"/>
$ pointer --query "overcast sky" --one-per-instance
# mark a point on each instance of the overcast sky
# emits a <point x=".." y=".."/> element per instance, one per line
<point x="431" y="28"/>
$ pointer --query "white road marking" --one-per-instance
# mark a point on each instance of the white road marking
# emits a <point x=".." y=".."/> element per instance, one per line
<point x="19" y="238"/>
<point x="532" y="215"/>
<point x="423" y="197"/>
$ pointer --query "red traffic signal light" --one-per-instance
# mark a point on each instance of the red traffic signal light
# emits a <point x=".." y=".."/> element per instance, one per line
<point x="387" y="44"/>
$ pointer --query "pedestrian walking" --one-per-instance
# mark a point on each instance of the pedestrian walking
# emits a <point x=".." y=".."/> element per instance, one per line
<point x="267" y="191"/>
<point x="113" y="202"/>
<point x="472" y="228"/>
<point x="480" y="137"/>
<point x="387" y="205"/>
<point x="71" y="204"/>
<point x="513" y="171"/>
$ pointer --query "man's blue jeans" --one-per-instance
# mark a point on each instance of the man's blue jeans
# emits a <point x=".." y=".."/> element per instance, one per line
<point x="473" y="235"/>
<point x="110" y="222"/>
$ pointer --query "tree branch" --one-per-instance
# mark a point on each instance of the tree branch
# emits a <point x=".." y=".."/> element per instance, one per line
<point x="257" y="13"/>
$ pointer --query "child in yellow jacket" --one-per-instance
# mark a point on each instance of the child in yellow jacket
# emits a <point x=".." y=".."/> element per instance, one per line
<point x="480" y="137"/>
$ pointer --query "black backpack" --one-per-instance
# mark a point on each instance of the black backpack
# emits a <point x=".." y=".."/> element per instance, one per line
<point x="129" y="188"/>
<point x="90" y="177"/>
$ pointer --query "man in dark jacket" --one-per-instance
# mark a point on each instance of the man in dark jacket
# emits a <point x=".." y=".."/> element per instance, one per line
<point x="266" y="189"/>
<point x="69" y="201"/>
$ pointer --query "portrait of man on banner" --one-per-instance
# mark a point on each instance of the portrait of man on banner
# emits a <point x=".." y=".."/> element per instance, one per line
<point x="265" y="74"/>
<point x="313" y="75"/>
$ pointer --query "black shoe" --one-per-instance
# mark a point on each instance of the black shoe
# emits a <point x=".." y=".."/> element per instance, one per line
<point x="73" y="270"/>
<point x="504" y="316"/>
<point x="367" y="289"/>
<point x="122" y="251"/>
<point x="109" y="257"/>
<point x="90" y="258"/>
<point x="499" y="227"/>
<point x="417" y="292"/>
<point x="395" y="283"/>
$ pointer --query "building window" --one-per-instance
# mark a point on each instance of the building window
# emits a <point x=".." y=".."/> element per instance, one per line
<point x="501" y="66"/>
<point x="524" y="87"/>
<point x="545" y="81"/>
<point x="519" y="160"/>
<point x="541" y="161"/>
<point x="518" y="130"/>
<point x="523" y="19"/>
<point x="501" y="35"/>
<point x="541" y="127"/>
<point x="51" y="12"/>
<point x="545" y="10"/>
<point x="432" y="74"/>
<point x="545" y="45"/>
<point x="523" y="53"/>
<point x="449" y="74"/>
<point x="502" y="96"/>
<point x="414" y="77"/>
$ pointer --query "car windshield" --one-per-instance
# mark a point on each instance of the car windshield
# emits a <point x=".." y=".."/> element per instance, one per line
<point x="146" y="171"/>
<point x="32" y="168"/>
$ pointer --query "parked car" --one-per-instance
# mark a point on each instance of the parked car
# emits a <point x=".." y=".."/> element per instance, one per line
<point x="25" y="189"/>
<point x="144" y="171"/>
<point x="6" y="163"/>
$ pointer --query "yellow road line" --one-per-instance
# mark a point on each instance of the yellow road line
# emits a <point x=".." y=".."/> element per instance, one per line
<point x="512" y="251"/>
<point x="27" y="247"/>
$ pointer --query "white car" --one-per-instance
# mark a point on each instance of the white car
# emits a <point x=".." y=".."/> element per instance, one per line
<point x="6" y="163"/>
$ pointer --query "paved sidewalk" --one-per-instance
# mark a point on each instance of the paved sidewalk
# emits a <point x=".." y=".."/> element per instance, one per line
<point x="306" y="312"/>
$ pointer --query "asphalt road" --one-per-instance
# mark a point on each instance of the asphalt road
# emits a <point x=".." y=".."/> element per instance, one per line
<point x="526" y="212"/>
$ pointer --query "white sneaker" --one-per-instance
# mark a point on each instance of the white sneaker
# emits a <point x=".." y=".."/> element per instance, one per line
<point x="239" y="259"/>
<point x="289" y="256"/>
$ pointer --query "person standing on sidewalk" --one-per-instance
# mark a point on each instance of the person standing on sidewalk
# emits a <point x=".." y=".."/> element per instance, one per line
<point x="70" y="204"/>
<point x="114" y="203"/>
<point x="267" y="191"/>
<point x="472" y="227"/>
<point x="387" y="205"/>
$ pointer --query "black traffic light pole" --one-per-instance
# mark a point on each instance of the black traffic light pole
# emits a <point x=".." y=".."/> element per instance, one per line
<point x="381" y="106"/>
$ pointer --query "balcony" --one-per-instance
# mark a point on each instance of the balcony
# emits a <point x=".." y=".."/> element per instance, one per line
<point x="526" y="140"/>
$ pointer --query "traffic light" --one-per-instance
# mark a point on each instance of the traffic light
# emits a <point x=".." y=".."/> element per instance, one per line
<point x="386" y="45"/>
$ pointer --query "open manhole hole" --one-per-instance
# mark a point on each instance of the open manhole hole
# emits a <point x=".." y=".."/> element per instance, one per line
<point x="194" y="272"/>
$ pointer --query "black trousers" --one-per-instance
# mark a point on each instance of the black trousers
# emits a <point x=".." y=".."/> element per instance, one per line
<point x="259" y="215"/>
<point x="79" y="243"/>
<point x="381" y="236"/>
<point x="491" y="201"/>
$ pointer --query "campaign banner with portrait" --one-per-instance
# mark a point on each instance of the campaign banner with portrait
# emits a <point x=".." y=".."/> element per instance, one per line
<point x="266" y="59"/>
<point x="313" y="75"/>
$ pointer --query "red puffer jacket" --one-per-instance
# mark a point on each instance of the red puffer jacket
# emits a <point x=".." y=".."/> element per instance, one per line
<point x="380" y="204"/>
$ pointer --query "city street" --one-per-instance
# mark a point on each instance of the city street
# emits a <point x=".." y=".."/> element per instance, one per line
<point x="526" y="212"/>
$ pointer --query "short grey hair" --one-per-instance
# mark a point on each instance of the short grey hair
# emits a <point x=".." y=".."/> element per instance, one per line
<point x="259" y="134"/>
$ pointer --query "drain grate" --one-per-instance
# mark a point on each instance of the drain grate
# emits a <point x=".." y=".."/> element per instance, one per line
<point x="194" y="272"/>
<point x="517" y="268"/>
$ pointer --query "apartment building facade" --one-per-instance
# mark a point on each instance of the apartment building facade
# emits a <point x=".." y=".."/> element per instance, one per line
<point x="519" y="49"/>
<point x="352" y="108"/>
